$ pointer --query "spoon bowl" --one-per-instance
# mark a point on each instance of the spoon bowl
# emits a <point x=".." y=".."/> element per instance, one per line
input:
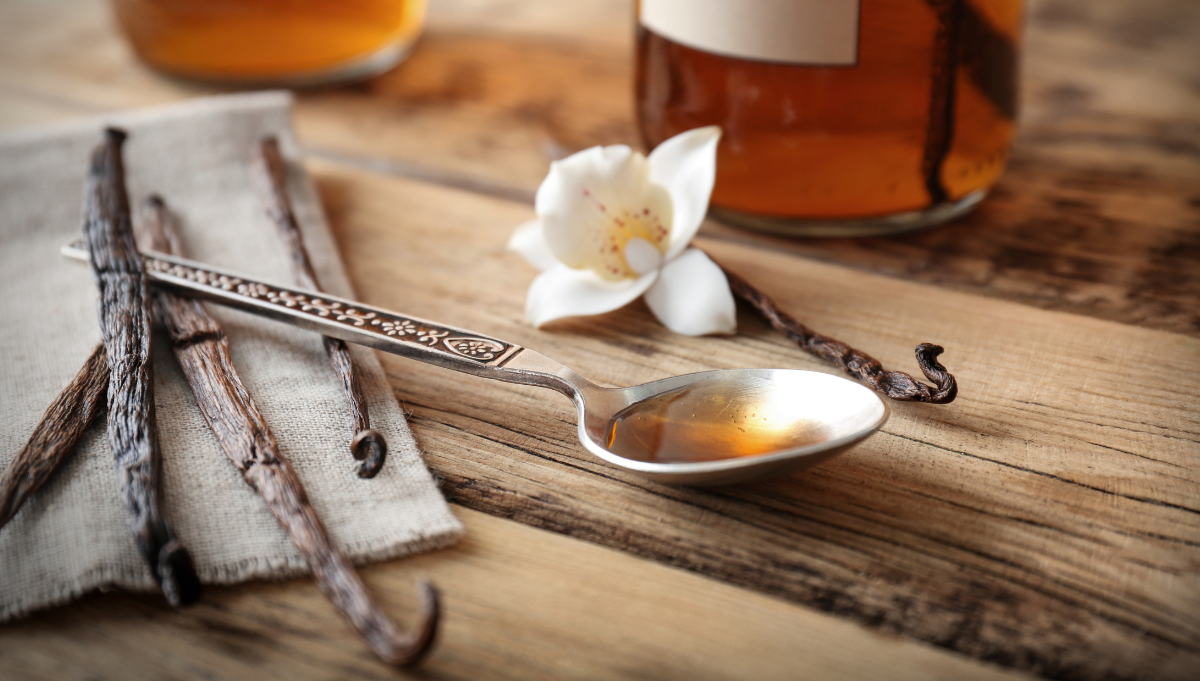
<point x="708" y="428"/>
<point x="727" y="426"/>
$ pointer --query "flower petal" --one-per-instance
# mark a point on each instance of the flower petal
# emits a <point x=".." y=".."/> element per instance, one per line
<point x="593" y="202"/>
<point x="686" y="165"/>
<point x="692" y="296"/>
<point x="567" y="292"/>
<point x="527" y="240"/>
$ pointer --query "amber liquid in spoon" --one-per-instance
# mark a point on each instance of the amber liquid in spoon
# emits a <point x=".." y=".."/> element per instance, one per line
<point x="714" y="419"/>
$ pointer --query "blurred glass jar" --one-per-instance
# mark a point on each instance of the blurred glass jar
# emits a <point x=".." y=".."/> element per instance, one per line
<point x="272" y="42"/>
<point x="840" y="117"/>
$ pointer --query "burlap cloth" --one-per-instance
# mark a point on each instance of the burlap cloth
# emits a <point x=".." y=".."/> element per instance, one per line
<point x="72" y="535"/>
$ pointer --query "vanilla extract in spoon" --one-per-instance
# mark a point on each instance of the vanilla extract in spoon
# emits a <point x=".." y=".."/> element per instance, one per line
<point x="714" y="419"/>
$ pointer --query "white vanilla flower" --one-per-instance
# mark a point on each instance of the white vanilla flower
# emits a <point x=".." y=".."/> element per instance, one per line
<point x="613" y="225"/>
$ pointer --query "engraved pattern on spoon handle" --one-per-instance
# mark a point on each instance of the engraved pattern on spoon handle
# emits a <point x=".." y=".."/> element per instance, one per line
<point x="354" y="322"/>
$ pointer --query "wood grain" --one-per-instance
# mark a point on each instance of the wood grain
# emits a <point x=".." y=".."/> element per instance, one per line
<point x="509" y="615"/>
<point x="1046" y="520"/>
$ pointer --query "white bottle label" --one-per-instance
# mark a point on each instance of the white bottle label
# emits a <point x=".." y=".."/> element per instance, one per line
<point x="817" y="32"/>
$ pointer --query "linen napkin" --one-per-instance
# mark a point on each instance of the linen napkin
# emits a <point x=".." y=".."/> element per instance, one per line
<point x="72" y="535"/>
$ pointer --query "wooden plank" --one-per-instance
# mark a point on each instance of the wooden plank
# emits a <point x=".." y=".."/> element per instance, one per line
<point x="1098" y="214"/>
<point x="582" y="612"/>
<point x="1047" y="520"/>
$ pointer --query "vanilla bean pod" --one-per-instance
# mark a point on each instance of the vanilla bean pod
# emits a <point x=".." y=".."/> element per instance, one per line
<point x="123" y="307"/>
<point x="270" y="176"/>
<point x="243" y="435"/>
<point x="55" y="436"/>
<point x="895" y="384"/>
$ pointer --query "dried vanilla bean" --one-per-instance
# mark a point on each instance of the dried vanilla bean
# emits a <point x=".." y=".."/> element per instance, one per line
<point x="55" y="436"/>
<point x="123" y="307"/>
<point x="939" y="134"/>
<point x="895" y="384"/>
<point x="266" y="166"/>
<point x="242" y="433"/>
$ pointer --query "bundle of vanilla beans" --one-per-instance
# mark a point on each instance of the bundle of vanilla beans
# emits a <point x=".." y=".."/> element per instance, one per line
<point x="119" y="371"/>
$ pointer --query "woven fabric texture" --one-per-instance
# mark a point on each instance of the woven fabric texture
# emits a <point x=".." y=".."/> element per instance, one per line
<point x="72" y="536"/>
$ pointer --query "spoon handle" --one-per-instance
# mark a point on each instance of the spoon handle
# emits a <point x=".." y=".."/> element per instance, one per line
<point x="351" y="321"/>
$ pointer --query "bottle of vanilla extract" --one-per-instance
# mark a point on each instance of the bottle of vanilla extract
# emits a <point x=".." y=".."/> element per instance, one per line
<point x="840" y="117"/>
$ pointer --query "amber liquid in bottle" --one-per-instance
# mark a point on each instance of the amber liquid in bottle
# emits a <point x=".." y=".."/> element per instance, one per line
<point x="875" y="138"/>
<point x="711" y="420"/>
<point x="265" y="39"/>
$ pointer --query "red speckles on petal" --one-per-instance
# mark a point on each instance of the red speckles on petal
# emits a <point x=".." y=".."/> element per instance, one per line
<point x="621" y="226"/>
<point x="587" y="194"/>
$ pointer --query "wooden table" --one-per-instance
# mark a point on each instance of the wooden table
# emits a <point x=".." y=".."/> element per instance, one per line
<point x="1046" y="523"/>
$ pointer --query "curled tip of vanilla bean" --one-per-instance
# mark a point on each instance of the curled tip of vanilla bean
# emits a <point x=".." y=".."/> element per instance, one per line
<point x="269" y="173"/>
<point x="895" y="384"/>
<point x="426" y="631"/>
<point x="947" y="386"/>
<point x="900" y="386"/>
<point x="177" y="574"/>
<point x="408" y="649"/>
<point x="369" y="447"/>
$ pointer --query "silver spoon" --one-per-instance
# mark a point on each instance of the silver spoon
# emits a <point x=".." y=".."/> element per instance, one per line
<point x="708" y="428"/>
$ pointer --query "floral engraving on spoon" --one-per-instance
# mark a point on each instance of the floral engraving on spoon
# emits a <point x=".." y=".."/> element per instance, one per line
<point x="474" y="348"/>
<point x="482" y="350"/>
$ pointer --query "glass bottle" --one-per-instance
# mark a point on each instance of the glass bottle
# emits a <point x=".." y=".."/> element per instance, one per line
<point x="271" y="42"/>
<point x="840" y="117"/>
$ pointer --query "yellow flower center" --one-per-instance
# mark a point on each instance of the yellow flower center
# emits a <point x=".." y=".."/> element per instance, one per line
<point x="612" y="252"/>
